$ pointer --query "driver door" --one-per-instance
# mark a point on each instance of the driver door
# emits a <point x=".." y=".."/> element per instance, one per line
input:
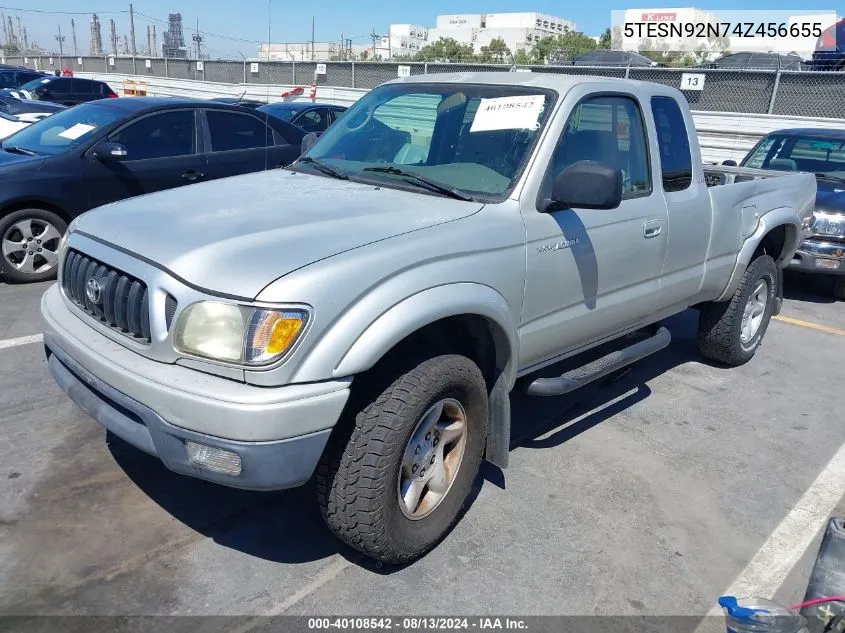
<point x="593" y="272"/>
<point x="161" y="154"/>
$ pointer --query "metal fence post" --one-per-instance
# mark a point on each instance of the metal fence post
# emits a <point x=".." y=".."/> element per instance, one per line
<point x="166" y="71"/>
<point x="353" y="74"/>
<point x="425" y="68"/>
<point x="244" y="71"/>
<point x="134" y="66"/>
<point x="774" y="94"/>
<point x="293" y="72"/>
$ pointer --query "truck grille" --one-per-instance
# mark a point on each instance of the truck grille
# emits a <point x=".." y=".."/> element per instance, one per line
<point x="109" y="295"/>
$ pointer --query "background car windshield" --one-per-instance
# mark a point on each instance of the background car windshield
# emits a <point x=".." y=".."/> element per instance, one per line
<point x="64" y="130"/>
<point x="475" y="138"/>
<point x="36" y="83"/>
<point x="285" y="114"/>
<point x="800" y="153"/>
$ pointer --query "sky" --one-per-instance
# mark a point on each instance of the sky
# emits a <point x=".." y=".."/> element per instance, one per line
<point x="231" y="27"/>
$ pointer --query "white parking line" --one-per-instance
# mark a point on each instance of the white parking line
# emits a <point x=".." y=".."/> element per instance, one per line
<point x="23" y="340"/>
<point x="328" y="573"/>
<point x="769" y="568"/>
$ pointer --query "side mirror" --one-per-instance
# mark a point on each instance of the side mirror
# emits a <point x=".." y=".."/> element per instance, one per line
<point x="308" y="141"/>
<point x="108" y="151"/>
<point x="586" y="185"/>
<point x="729" y="163"/>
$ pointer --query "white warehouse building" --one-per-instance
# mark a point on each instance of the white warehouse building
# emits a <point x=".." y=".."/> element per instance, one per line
<point x="520" y="31"/>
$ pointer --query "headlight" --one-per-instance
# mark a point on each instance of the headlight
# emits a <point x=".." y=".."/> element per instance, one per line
<point x="238" y="334"/>
<point x="63" y="242"/>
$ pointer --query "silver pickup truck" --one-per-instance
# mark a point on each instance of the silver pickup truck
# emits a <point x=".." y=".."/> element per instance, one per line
<point x="362" y="316"/>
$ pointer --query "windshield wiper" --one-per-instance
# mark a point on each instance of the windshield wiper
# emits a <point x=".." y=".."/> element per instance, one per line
<point x="19" y="150"/>
<point x="829" y="177"/>
<point x="323" y="167"/>
<point x="433" y="185"/>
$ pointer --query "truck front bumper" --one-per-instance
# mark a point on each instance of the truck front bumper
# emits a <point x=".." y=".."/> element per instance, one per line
<point x="819" y="256"/>
<point x="277" y="434"/>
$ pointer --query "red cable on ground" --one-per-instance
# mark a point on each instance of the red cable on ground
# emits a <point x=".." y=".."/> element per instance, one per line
<point x="810" y="603"/>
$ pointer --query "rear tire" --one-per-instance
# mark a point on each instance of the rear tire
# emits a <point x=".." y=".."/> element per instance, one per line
<point x="29" y="245"/>
<point x="731" y="331"/>
<point x="839" y="287"/>
<point x="391" y="446"/>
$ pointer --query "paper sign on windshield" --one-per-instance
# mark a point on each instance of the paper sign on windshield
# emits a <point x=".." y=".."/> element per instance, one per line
<point x="76" y="131"/>
<point x="508" y="113"/>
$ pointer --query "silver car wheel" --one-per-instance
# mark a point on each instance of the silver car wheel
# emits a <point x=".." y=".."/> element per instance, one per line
<point x="754" y="311"/>
<point x="432" y="458"/>
<point x="31" y="246"/>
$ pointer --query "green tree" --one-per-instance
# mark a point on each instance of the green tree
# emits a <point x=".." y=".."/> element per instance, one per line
<point x="446" y="49"/>
<point x="497" y="52"/>
<point x="522" y="57"/>
<point x="562" y="47"/>
<point x="606" y="39"/>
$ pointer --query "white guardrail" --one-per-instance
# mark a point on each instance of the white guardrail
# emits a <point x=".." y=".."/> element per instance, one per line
<point x="721" y="135"/>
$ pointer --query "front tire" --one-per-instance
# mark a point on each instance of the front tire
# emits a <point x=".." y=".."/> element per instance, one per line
<point x="29" y="245"/>
<point x="393" y="484"/>
<point x="731" y="331"/>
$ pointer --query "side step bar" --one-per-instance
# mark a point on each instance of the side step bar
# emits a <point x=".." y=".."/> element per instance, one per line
<point x="600" y="367"/>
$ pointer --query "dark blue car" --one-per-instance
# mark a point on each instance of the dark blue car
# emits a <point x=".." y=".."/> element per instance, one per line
<point x="820" y="152"/>
<point x="108" y="150"/>
<point x="311" y="117"/>
<point x="832" y="40"/>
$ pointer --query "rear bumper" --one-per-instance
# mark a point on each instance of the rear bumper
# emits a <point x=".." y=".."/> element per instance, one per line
<point x="817" y="256"/>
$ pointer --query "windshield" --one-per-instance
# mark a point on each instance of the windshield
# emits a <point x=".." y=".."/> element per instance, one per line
<point x="280" y="112"/>
<point x="65" y="130"/>
<point x="36" y="83"/>
<point x="821" y="156"/>
<point x="474" y="139"/>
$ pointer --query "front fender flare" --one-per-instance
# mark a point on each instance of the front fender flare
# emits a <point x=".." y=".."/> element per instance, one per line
<point x="350" y="349"/>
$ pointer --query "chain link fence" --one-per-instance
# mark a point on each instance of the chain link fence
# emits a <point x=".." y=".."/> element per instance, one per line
<point x="794" y="93"/>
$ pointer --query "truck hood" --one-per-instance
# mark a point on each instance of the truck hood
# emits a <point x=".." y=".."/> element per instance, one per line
<point x="830" y="196"/>
<point x="236" y="235"/>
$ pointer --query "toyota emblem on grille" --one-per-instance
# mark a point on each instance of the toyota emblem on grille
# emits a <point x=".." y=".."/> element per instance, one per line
<point x="93" y="290"/>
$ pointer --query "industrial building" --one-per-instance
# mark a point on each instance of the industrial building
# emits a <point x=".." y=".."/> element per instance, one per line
<point x="520" y="31"/>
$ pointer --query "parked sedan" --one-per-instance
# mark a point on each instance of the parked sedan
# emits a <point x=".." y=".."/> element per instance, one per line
<point x="108" y="150"/>
<point x="311" y="117"/>
<point x="63" y="90"/>
<point x="12" y="77"/>
<point x="820" y="152"/>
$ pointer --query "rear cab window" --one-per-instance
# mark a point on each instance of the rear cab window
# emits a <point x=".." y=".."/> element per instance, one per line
<point x="673" y="143"/>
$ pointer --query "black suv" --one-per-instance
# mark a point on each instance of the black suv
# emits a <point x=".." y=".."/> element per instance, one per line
<point x="64" y="90"/>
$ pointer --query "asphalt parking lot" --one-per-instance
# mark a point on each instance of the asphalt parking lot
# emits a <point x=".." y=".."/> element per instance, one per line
<point x="647" y="495"/>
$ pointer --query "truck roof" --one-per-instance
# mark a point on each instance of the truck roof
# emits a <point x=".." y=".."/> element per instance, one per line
<point x="554" y="81"/>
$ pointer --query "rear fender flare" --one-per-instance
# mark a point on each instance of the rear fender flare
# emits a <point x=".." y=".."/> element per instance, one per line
<point x="782" y="216"/>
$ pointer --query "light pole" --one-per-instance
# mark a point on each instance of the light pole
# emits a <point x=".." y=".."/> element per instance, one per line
<point x="60" y="39"/>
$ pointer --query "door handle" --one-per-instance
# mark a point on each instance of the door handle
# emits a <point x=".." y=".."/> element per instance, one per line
<point x="192" y="175"/>
<point x="652" y="228"/>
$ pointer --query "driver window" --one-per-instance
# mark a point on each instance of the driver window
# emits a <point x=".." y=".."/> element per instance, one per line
<point x="610" y="131"/>
<point x="412" y="117"/>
